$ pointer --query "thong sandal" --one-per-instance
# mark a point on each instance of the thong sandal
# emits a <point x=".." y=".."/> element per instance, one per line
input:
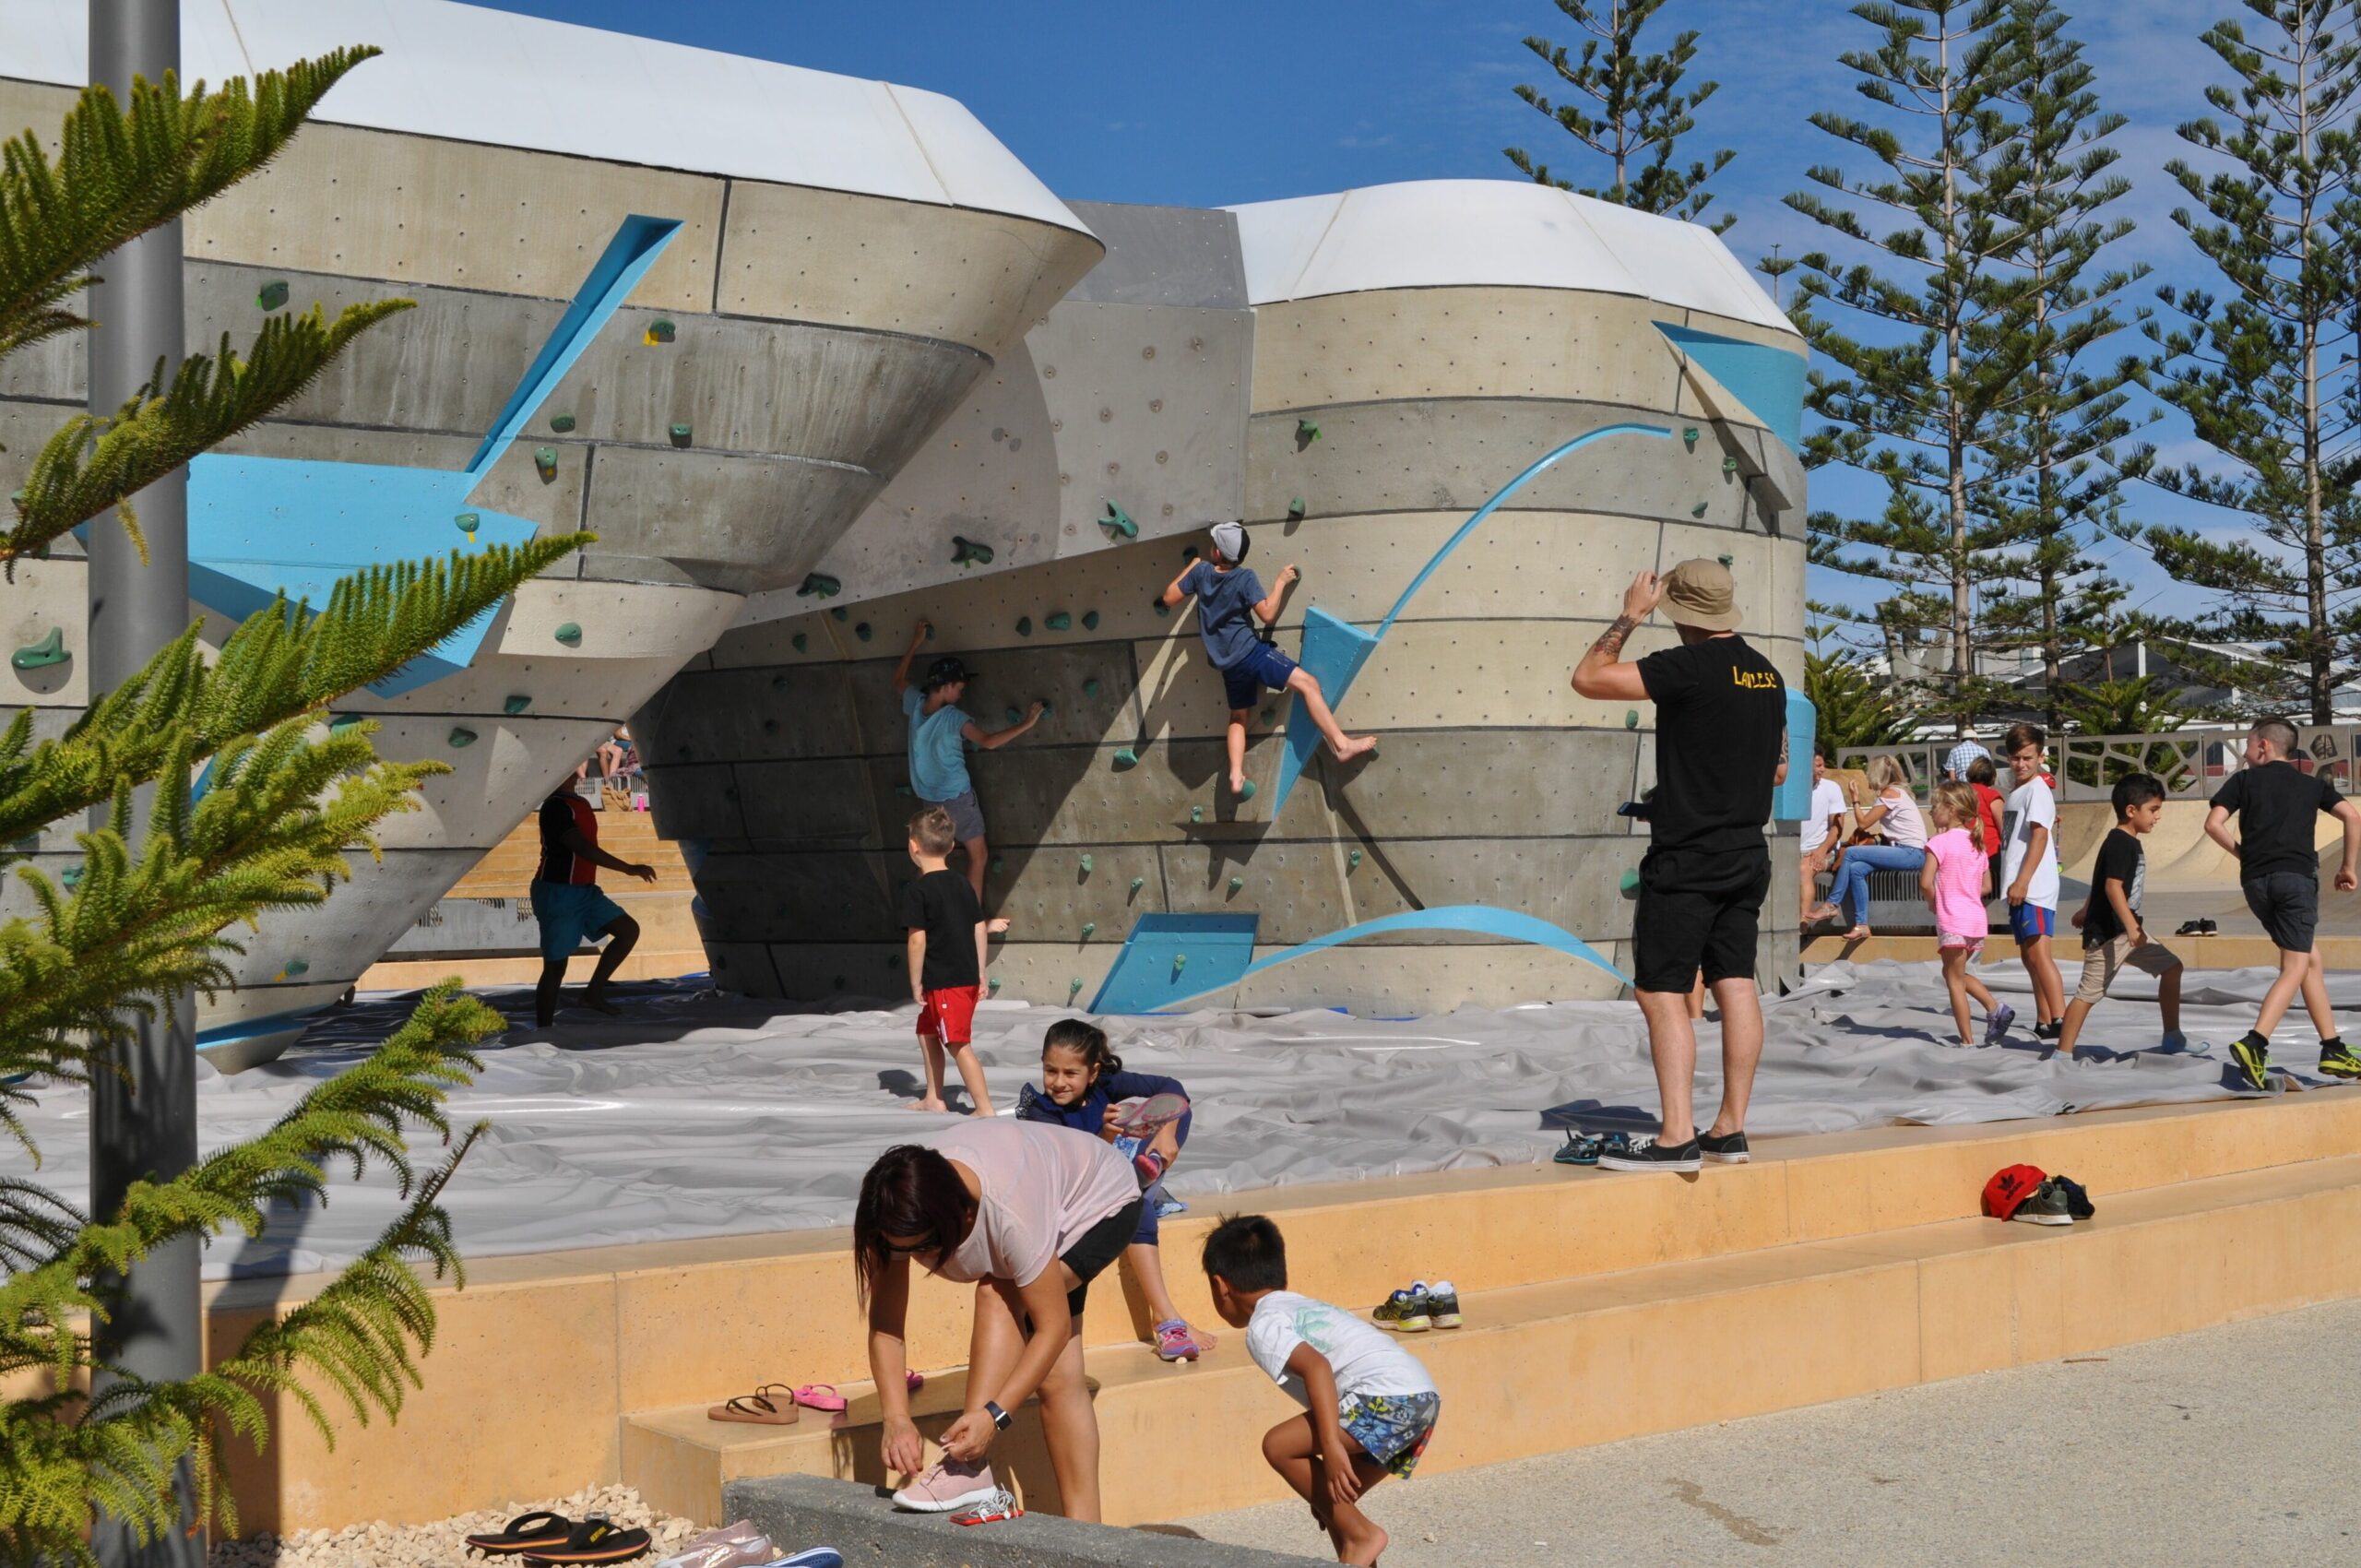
<point x="527" y="1532"/>
<point x="824" y="1396"/>
<point x="594" y="1540"/>
<point x="759" y="1408"/>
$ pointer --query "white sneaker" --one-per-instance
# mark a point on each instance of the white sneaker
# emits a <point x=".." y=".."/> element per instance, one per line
<point x="740" y="1545"/>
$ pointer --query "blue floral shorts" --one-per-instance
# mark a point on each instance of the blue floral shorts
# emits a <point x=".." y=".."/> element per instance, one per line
<point x="1392" y="1429"/>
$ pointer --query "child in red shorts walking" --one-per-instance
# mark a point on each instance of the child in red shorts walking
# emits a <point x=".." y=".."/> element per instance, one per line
<point x="948" y="933"/>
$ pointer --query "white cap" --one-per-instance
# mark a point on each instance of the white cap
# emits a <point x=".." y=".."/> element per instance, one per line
<point x="1230" y="540"/>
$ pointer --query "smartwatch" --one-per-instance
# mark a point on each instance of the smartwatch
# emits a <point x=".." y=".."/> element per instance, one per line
<point x="1001" y="1418"/>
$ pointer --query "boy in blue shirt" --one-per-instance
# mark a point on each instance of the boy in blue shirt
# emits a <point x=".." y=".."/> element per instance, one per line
<point x="1229" y="597"/>
<point x="938" y="761"/>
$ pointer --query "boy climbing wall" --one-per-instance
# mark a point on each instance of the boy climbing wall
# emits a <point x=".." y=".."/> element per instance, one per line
<point x="1228" y="599"/>
<point x="938" y="761"/>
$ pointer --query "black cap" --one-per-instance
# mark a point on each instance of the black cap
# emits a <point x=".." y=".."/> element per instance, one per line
<point x="945" y="670"/>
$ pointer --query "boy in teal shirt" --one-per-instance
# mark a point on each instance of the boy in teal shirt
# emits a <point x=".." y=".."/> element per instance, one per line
<point x="938" y="760"/>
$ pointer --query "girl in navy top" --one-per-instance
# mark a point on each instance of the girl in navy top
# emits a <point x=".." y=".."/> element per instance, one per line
<point x="1082" y="1082"/>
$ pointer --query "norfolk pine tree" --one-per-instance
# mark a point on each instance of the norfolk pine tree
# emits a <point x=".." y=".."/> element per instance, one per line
<point x="2061" y="487"/>
<point x="285" y="796"/>
<point x="1635" y="116"/>
<point x="2265" y="369"/>
<point x="1922" y="407"/>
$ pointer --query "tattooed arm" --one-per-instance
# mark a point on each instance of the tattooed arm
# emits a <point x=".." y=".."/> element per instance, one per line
<point x="1602" y="675"/>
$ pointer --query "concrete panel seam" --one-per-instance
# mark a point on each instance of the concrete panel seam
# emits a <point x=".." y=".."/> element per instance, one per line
<point x="948" y="345"/>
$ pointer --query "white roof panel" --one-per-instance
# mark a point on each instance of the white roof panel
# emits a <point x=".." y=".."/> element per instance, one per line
<point x="472" y="74"/>
<point x="1444" y="233"/>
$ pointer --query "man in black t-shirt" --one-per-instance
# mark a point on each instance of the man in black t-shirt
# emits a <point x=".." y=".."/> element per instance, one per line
<point x="2276" y="804"/>
<point x="1721" y="739"/>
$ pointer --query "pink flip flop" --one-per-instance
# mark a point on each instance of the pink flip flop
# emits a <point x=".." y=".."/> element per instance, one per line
<point x="824" y="1396"/>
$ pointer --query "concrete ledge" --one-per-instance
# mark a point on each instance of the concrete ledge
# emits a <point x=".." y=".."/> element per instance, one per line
<point x="803" y="1511"/>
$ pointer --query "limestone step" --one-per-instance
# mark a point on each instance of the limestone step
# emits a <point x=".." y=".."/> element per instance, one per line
<point x="1568" y="1363"/>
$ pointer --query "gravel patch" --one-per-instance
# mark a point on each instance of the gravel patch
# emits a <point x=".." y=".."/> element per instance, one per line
<point x="443" y="1544"/>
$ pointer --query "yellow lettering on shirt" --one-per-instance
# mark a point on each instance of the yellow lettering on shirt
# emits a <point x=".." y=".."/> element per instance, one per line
<point x="1756" y="680"/>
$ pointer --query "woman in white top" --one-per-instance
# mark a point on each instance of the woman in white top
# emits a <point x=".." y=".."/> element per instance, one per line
<point x="1029" y="1213"/>
<point x="1894" y="814"/>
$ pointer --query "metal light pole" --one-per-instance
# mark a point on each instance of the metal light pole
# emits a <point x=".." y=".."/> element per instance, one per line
<point x="146" y="1127"/>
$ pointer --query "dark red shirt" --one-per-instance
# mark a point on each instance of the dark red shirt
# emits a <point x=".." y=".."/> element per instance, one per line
<point x="564" y="810"/>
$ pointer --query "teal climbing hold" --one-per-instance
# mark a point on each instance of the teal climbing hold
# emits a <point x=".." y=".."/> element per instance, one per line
<point x="1306" y="432"/>
<point x="1090" y="688"/>
<point x="1180" y="960"/>
<point x="1090" y="620"/>
<point x="1631" y="881"/>
<point x="561" y="423"/>
<point x="1698" y="510"/>
<point x="1723" y="559"/>
<point x="515" y="702"/>
<point x="1046" y="708"/>
<point x="964" y="551"/>
<point x="821" y="585"/>
<point x="1087" y="928"/>
<point x="1190" y="553"/>
<point x="861" y="629"/>
<point x="1086" y="865"/>
<point x="71" y="876"/>
<point x="1631" y="719"/>
<point x="1162" y="609"/>
<point x="342" y="722"/>
<point x="778" y="682"/>
<point x="469" y="522"/>
<point x="1071" y="986"/>
<point x="1268" y="714"/>
<point x="1296" y="509"/>
<point x="659" y="331"/>
<point x="1058" y="620"/>
<point x="1025" y="626"/>
<point x="1246" y="790"/>
<point x="460" y="735"/>
<point x="1118" y="521"/>
<point x="800" y="641"/>
<point x="1196" y="814"/>
<point x="569" y="633"/>
<point x="680" y="435"/>
<point x="1688" y="436"/>
<point x="906" y="790"/>
<point x="1016" y="714"/>
<point x="545" y="463"/>
<point x="297" y="966"/>
<point x="1353" y="860"/>
<point x="1138" y="882"/>
<point x="1126" y="757"/>
<point x="841" y="612"/>
<point x="272" y="295"/>
<point x="1236" y="883"/>
<point x="992" y="985"/>
<point x="1730" y="465"/>
<point x="49" y="650"/>
<point x="999" y="862"/>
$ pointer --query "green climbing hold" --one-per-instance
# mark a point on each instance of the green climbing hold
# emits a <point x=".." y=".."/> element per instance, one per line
<point x="1088" y="927"/>
<point x="460" y="735"/>
<point x="1246" y="790"/>
<point x="1196" y="814"/>
<point x="1236" y="883"/>
<point x="1015" y="715"/>
<point x="659" y="331"/>
<point x="1086" y="865"/>
<point x="561" y="423"/>
<point x="1631" y="719"/>
<point x="1071" y="986"/>
<point x="861" y="629"/>
<point x="820" y="584"/>
<point x="297" y="966"/>
<point x="680" y="433"/>
<point x="841" y="612"/>
<point x="999" y="863"/>
<point x="992" y="985"/>
<point x="515" y="702"/>
<point x="1047" y="707"/>
<point x="1090" y="620"/>
<point x="1269" y="713"/>
<point x="570" y="633"/>
<point x="906" y="790"/>
<point x="71" y="876"/>
<point x="1688" y="436"/>
<point x="1698" y="510"/>
<point x="1306" y="432"/>
<point x="1090" y="688"/>
<point x="469" y="522"/>
<point x="1058" y="620"/>
<point x="1190" y="553"/>
<point x="964" y="551"/>
<point x="1180" y="960"/>
<point x="545" y="463"/>
<point x="49" y="650"/>
<point x="1025" y="626"/>
<point x="1296" y="510"/>
<point x="340" y="722"/>
<point x="1631" y="881"/>
<point x="1723" y="559"/>
<point x="1126" y="757"/>
<point x="1730" y="465"/>
<point x="1138" y="882"/>
<point x="800" y="641"/>
<point x="272" y="295"/>
<point x="1353" y="860"/>
<point x="1118" y="521"/>
<point x="778" y="682"/>
<point x="1162" y="609"/>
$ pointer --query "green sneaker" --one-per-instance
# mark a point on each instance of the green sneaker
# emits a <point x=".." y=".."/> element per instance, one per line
<point x="2338" y="1061"/>
<point x="1405" y="1312"/>
<point x="2253" y="1058"/>
<point x="2047" y="1206"/>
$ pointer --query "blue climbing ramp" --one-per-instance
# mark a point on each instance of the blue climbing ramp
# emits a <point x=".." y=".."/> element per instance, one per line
<point x="1335" y="650"/>
<point x="1769" y="381"/>
<point x="1792" y="801"/>
<point x="262" y="527"/>
<point x="1182" y="956"/>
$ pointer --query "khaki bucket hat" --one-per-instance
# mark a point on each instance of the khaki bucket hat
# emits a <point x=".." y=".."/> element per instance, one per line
<point x="1700" y="593"/>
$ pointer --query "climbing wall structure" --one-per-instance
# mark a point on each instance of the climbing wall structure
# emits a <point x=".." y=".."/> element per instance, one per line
<point x="1355" y="376"/>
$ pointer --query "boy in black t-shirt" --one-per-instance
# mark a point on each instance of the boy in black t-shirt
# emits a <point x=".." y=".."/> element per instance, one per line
<point x="2276" y="804"/>
<point x="948" y="933"/>
<point x="2112" y="935"/>
<point x="1721" y="740"/>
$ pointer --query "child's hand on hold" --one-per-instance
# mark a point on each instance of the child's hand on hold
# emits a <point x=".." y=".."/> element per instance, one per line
<point x="1289" y="575"/>
<point x="918" y="632"/>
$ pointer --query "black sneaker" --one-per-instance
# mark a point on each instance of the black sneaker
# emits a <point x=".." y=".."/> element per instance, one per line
<point x="1580" y="1148"/>
<point x="2048" y="1031"/>
<point x="2338" y="1061"/>
<point x="2254" y="1061"/>
<point x="1652" y="1153"/>
<point x="1730" y="1150"/>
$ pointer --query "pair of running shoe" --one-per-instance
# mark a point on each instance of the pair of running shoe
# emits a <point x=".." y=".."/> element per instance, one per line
<point x="1419" y="1308"/>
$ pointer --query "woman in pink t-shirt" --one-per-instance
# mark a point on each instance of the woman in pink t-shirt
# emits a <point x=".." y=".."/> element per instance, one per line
<point x="1956" y="879"/>
<point x="1029" y="1213"/>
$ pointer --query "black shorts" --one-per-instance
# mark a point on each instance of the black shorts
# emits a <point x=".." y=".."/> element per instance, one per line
<point x="1700" y="909"/>
<point x="1098" y="1246"/>
<point x="2288" y="905"/>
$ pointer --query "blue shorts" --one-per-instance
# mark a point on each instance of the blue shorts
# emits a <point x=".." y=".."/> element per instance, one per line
<point x="1243" y="681"/>
<point x="568" y="911"/>
<point x="2031" y="923"/>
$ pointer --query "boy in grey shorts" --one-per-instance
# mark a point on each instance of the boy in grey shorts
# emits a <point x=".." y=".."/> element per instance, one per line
<point x="2276" y="804"/>
<point x="939" y="760"/>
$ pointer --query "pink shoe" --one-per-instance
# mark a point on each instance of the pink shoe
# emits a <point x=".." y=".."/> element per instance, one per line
<point x="1150" y="1166"/>
<point x="733" y="1546"/>
<point x="1174" y="1342"/>
<point x="947" y="1485"/>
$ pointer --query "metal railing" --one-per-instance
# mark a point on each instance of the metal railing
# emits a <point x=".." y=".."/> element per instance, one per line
<point x="2190" y="763"/>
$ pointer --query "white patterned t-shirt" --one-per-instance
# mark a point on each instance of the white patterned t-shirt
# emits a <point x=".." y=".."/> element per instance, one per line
<point x="1365" y="1358"/>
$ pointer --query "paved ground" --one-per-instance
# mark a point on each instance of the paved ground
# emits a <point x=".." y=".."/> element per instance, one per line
<point x="2223" y="1446"/>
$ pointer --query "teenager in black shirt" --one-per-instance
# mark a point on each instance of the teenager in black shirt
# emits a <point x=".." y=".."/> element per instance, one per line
<point x="1721" y="739"/>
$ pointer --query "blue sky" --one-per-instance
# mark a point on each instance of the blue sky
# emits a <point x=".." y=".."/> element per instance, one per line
<point x="1220" y="101"/>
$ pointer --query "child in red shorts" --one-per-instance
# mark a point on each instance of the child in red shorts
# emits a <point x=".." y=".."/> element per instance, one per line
<point x="948" y="933"/>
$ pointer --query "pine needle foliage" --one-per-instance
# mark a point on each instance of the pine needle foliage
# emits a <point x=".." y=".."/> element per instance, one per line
<point x="1629" y="107"/>
<point x="258" y="801"/>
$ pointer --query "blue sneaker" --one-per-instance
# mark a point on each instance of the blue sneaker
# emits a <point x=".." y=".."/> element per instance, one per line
<point x="1580" y="1148"/>
<point x="1995" y="1028"/>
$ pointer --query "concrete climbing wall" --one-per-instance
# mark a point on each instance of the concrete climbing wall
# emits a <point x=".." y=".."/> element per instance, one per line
<point x="1382" y="409"/>
<point x="835" y="289"/>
